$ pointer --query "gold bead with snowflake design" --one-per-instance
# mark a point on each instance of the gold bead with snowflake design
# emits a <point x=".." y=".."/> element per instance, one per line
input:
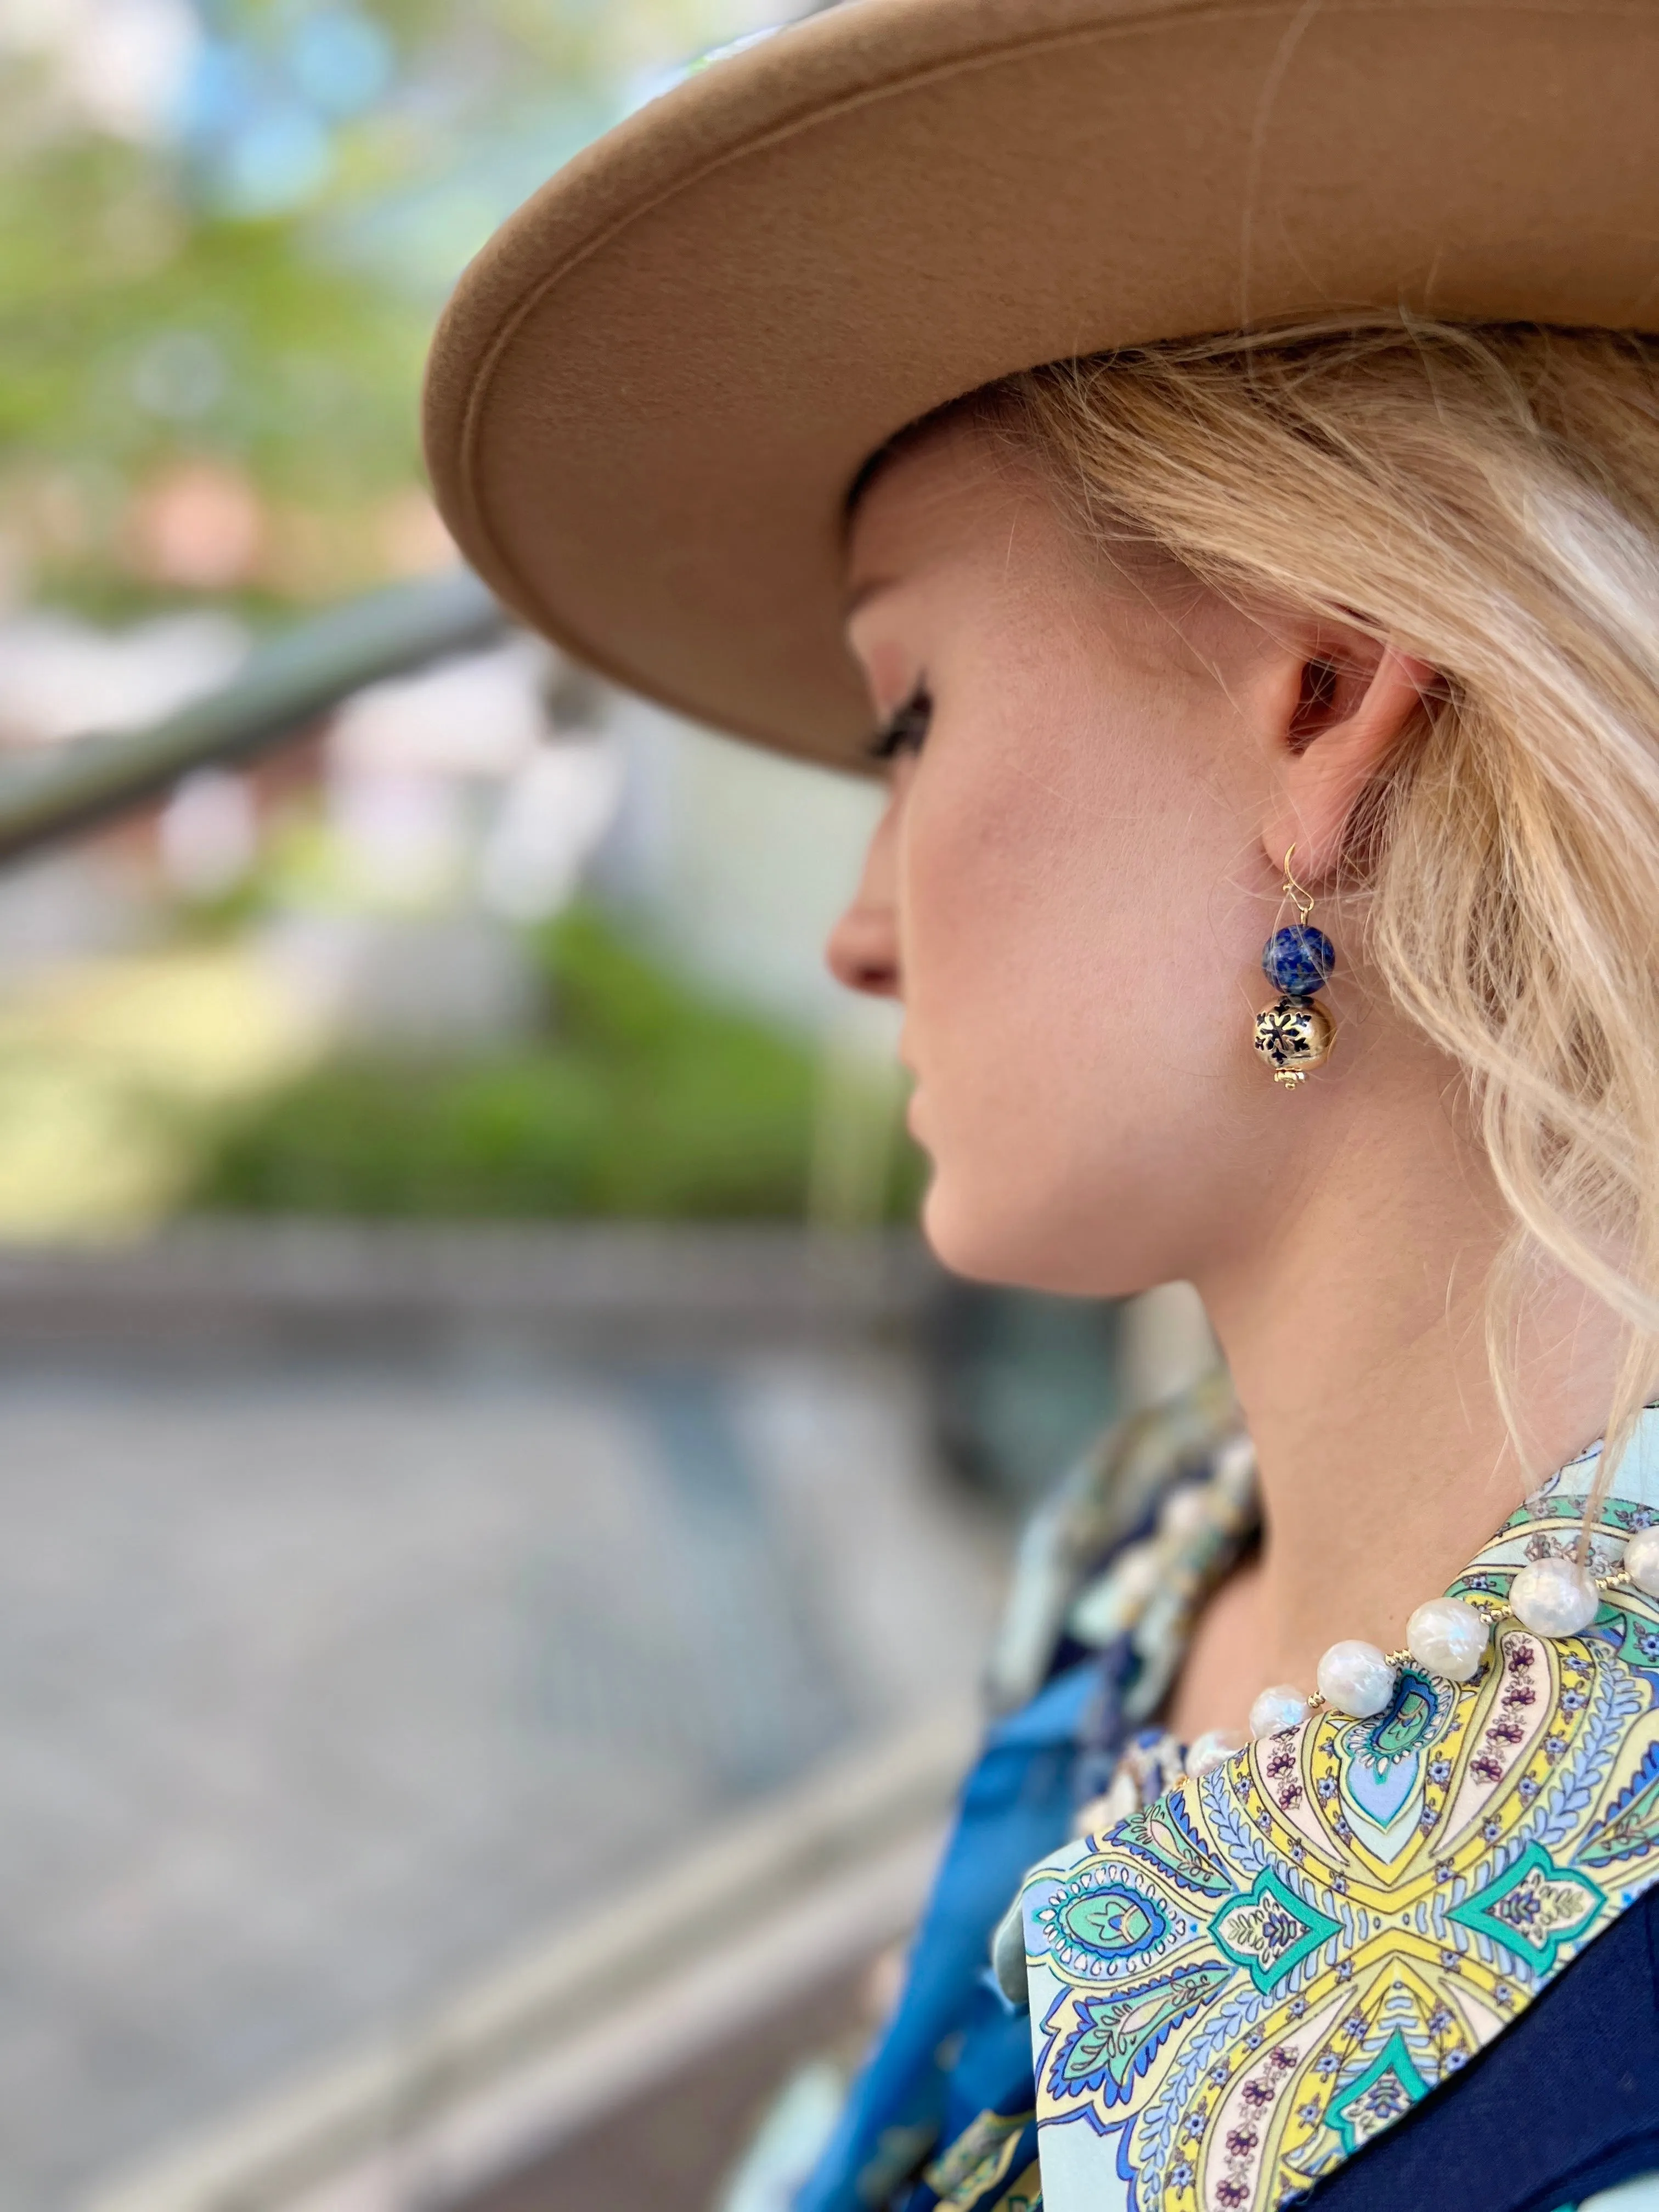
<point x="1292" y="1036"/>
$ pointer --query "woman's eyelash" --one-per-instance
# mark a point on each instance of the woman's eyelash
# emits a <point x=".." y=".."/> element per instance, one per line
<point x="906" y="730"/>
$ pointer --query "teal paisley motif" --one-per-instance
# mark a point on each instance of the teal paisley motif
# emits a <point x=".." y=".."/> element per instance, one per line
<point x="1117" y="2033"/>
<point x="1272" y="1930"/>
<point x="1402" y="1729"/>
<point x="1532" y="1908"/>
<point x="1384" y="2093"/>
<point x="1101" y="1926"/>
<point x="1383" y="1759"/>
<point x="1113" y="1923"/>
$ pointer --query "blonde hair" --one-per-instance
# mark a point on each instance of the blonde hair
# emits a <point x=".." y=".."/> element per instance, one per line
<point x="1487" y="500"/>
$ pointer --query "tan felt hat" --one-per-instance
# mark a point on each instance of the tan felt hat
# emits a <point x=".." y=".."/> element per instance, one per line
<point x="652" y="390"/>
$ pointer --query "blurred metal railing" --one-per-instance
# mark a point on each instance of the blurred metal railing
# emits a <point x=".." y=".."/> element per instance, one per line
<point x="65" y="790"/>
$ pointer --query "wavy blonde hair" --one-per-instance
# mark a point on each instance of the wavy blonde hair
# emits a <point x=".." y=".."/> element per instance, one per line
<point x="1486" y="499"/>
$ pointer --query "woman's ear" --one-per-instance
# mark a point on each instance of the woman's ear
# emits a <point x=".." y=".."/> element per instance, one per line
<point x="1343" y="706"/>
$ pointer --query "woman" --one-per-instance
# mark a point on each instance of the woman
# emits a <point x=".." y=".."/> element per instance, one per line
<point x="1296" y="611"/>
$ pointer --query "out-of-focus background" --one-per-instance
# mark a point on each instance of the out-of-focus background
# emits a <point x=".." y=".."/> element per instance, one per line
<point x="501" y="1522"/>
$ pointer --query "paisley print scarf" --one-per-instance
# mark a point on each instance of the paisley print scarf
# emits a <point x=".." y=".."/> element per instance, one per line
<point x="1239" y="1985"/>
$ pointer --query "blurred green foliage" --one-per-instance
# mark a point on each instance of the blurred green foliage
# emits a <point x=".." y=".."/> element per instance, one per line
<point x="647" y="1098"/>
<point x="226" y="226"/>
<point x="221" y="251"/>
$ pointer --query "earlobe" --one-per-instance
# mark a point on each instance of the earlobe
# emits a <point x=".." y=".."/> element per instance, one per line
<point x="1351" y="701"/>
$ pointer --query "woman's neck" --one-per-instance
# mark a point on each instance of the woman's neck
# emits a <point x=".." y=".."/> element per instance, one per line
<point x="1354" y="1326"/>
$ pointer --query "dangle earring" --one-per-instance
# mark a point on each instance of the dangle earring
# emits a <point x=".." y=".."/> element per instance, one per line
<point x="1294" y="1034"/>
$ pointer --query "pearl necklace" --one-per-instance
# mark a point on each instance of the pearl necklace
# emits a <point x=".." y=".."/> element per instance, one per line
<point x="1446" y="1636"/>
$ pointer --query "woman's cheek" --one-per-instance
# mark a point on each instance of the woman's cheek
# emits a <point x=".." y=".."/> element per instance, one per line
<point x="981" y="1033"/>
<point x="954" y="913"/>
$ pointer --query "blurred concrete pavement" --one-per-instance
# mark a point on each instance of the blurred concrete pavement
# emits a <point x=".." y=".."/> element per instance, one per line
<point x="342" y="1657"/>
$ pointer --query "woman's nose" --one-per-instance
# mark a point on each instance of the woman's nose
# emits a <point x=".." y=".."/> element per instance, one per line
<point x="863" y="950"/>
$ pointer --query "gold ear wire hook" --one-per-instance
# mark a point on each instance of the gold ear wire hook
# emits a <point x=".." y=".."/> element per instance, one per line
<point x="1301" y="900"/>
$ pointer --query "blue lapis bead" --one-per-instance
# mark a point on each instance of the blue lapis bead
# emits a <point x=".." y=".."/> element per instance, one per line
<point x="1298" y="960"/>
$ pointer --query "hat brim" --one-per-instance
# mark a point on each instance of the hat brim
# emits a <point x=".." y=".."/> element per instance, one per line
<point x="651" y="392"/>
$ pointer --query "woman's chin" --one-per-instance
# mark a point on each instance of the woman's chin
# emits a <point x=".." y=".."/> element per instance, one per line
<point x="953" y="1244"/>
<point x="988" y="1237"/>
<point x="983" y="1241"/>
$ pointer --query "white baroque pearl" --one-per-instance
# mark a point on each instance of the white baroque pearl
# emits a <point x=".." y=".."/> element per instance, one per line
<point x="1642" y="1560"/>
<point x="1234" y="1471"/>
<point x="1448" y="1638"/>
<point x="1113" y="1603"/>
<point x="1184" y="1512"/>
<point x="1355" y="1678"/>
<point x="1213" y="1749"/>
<point x="1281" y="1707"/>
<point x="1554" y="1597"/>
